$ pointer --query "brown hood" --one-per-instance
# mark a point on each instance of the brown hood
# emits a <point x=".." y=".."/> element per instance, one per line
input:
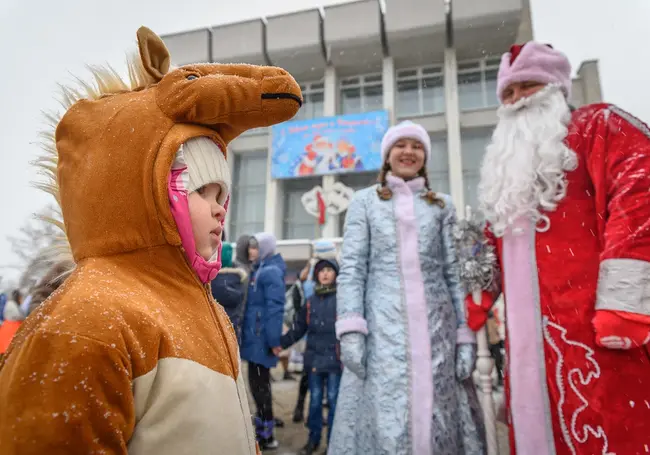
<point x="115" y="150"/>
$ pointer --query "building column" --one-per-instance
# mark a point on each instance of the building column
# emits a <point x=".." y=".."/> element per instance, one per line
<point x="274" y="206"/>
<point x="452" y="114"/>
<point x="589" y="77"/>
<point x="330" y="108"/>
<point x="389" y="87"/>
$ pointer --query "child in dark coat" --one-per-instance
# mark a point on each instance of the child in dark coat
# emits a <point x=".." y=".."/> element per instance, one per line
<point x="229" y="289"/>
<point x="317" y="319"/>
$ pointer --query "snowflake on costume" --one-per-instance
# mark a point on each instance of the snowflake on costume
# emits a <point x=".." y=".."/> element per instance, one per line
<point x="478" y="261"/>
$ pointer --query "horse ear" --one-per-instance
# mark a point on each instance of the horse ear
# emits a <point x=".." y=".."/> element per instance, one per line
<point x="153" y="53"/>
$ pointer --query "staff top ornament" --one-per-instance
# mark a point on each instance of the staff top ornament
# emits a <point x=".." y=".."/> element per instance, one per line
<point x="478" y="261"/>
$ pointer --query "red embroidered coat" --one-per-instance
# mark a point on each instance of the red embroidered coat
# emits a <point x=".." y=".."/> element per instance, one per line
<point x="565" y="394"/>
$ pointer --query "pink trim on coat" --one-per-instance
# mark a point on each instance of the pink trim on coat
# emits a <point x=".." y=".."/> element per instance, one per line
<point x="352" y="323"/>
<point x="180" y="208"/>
<point x="408" y="231"/>
<point x="529" y="403"/>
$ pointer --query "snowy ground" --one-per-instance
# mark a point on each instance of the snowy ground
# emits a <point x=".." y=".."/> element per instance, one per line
<point x="294" y="436"/>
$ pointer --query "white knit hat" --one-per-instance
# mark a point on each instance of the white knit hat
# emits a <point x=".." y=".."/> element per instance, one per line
<point x="206" y="164"/>
<point x="405" y="129"/>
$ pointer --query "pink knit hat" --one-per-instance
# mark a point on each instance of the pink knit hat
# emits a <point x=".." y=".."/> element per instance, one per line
<point x="405" y="129"/>
<point x="536" y="62"/>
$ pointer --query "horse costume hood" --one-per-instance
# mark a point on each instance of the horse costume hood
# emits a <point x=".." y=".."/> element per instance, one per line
<point x="153" y="362"/>
<point x="136" y="133"/>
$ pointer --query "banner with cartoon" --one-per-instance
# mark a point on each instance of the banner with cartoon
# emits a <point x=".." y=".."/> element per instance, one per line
<point x="330" y="145"/>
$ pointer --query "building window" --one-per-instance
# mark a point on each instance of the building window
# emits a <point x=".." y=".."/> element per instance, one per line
<point x="473" y="144"/>
<point x="357" y="181"/>
<point x="477" y="84"/>
<point x="313" y="95"/>
<point x="420" y="91"/>
<point x="438" y="166"/>
<point x="248" y="198"/>
<point x="298" y="224"/>
<point x="362" y="94"/>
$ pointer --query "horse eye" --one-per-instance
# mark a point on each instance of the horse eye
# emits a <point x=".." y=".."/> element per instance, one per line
<point x="191" y="77"/>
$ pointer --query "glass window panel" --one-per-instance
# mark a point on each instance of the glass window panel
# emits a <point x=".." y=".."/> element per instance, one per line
<point x="302" y="113"/>
<point x="433" y="95"/>
<point x="316" y="101"/>
<point x="432" y="70"/>
<point x="250" y="203"/>
<point x="470" y="93"/>
<point x="469" y="66"/>
<point x="473" y="144"/>
<point x="351" y="101"/>
<point x="357" y="182"/>
<point x="408" y="98"/>
<point x="318" y="109"/>
<point x="438" y="167"/>
<point x="373" y="98"/>
<point x="373" y="78"/>
<point x="491" y="87"/>
<point x="350" y="81"/>
<point x="248" y="195"/>
<point x="298" y="224"/>
<point x="470" y="191"/>
<point x="407" y="73"/>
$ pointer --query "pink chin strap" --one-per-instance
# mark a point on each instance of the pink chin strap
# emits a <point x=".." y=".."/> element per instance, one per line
<point x="205" y="270"/>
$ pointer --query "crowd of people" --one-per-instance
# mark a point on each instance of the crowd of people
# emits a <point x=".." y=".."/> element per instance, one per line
<point x="138" y="347"/>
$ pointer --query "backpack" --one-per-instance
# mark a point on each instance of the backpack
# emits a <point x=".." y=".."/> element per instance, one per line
<point x="294" y="300"/>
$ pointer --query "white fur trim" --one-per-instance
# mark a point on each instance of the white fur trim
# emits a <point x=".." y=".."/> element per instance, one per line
<point x="405" y="129"/>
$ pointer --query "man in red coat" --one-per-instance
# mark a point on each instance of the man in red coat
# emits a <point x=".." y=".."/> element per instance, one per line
<point x="566" y="194"/>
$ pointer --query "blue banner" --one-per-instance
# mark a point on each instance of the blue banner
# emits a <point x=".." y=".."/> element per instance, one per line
<point x="330" y="145"/>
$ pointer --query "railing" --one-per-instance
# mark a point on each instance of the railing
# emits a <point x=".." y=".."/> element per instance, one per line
<point x="485" y="368"/>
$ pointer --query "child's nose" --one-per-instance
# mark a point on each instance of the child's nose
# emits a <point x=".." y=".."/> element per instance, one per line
<point x="218" y="212"/>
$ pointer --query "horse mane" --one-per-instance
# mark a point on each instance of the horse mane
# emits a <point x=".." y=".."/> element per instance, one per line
<point x="106" y="82"/>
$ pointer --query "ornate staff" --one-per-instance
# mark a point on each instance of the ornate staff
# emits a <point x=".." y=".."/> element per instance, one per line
<point x="478" y="272"/>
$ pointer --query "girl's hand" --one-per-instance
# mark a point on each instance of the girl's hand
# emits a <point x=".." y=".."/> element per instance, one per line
<point x="353" y="353"/>
<point x="277" y="350"/>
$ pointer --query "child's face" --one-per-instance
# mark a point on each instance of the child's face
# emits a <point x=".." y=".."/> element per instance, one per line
<point x="206" y="215"/>
<point x="253" y="253"/>
<point x="326" y="276"/>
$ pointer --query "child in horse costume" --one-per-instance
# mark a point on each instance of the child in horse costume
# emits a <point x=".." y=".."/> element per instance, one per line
<point x="131" y="354"/>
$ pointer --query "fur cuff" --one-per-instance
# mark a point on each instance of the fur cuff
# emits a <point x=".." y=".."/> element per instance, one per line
<point x="624" y="286"/>
<point x="464" y="335"/>
<point x="351" y="323"/>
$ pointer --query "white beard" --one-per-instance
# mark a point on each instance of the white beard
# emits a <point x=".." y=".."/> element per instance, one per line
<point x="523" y="171"/>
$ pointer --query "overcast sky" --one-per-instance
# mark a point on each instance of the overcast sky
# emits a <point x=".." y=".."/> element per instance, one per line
<point x="43" y="41"/>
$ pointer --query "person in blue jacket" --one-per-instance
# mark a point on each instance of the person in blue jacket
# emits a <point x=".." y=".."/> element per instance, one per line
<point x="229" y="289"/>
<point x="317" y="320"/>
<point x="3" y="302"/>
<point x="263" y="328"/>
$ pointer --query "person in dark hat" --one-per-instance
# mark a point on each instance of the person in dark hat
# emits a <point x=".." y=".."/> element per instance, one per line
<point x="317" y="319"/>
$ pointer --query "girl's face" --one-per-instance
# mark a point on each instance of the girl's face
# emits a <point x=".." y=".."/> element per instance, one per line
<point x="406" y="158"/>
<point x="326" y="276"/>
<point x="207" y="216"/>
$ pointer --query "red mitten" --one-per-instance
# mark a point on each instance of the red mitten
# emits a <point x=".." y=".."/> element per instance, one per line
<point x="621" y="330"/>
<point x="477" y="314"/>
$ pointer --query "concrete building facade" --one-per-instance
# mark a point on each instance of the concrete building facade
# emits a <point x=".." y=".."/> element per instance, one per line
<point x="418" y="59"/>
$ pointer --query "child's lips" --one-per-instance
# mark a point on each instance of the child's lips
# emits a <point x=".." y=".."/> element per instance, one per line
<point x="215" y="235"/>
